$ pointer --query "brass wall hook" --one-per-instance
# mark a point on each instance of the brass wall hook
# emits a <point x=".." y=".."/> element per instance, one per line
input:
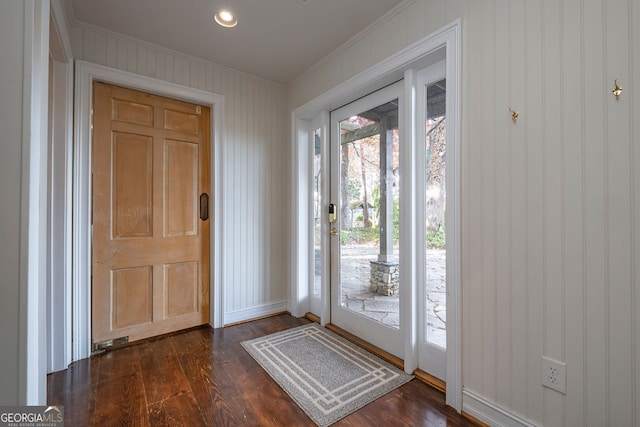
<point x="617" y="90"/>
<point x="514" y="115"/>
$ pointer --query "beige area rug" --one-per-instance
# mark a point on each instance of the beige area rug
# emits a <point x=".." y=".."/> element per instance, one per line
<point x="326" y="375"/>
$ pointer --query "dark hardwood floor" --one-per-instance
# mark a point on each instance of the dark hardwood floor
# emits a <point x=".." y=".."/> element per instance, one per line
<point x="203" y="377"/>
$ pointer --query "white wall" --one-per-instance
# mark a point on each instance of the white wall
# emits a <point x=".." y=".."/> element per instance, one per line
<point x="550" y="205"/>
<point x="24" y="32"/>
<point x="255" y="184"/>
<point x="11" y="68"/>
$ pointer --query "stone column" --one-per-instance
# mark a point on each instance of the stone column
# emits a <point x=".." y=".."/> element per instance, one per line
<point x="386" y="192"/>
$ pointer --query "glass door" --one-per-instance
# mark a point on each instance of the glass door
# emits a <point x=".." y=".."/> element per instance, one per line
<point x="432" y="197"/>
<point x="364" y="227"/>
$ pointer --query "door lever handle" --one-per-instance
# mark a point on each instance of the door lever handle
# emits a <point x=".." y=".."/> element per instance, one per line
<point x="204" y="206"/>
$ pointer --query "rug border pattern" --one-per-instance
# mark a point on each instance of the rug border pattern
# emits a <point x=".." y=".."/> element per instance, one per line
<point x="324" y="406"/>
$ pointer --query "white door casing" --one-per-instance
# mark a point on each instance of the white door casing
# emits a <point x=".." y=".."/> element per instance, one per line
<point x="86" y="74"/>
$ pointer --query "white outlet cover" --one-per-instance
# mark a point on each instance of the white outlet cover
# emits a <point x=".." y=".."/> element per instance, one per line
<point x="553" y="374"/>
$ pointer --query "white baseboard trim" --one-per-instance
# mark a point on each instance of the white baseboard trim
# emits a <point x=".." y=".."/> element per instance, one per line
<point x="254" y="312"/>
<point x="489" y="413"/>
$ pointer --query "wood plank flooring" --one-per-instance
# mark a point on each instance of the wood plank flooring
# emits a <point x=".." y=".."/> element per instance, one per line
<point x="203" y="377"/>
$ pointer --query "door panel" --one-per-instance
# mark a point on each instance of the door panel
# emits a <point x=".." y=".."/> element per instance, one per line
<point x="434" y="218"/>
<point x="181" y="298"/>
<point x="365" y="173"/>
<point x="132" y="185"/>
<point x="181" y="188"/>
<point x="132" y="294"/>
<point x="150" y="248"/>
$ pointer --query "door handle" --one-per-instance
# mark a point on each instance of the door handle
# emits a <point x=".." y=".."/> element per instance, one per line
<point x="204" y="206"/>
<point x="333" y="214"/>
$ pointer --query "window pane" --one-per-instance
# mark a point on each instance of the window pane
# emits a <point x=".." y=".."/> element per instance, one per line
<point x="317" y="213"/>
<point x="369" y="213"/>
<point x="436" y="194"/>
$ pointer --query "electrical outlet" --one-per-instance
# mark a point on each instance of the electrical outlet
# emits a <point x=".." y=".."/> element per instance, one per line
<point x="553" y="375"/>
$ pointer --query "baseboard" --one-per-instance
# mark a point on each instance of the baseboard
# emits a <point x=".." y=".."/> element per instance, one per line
<point x="429" y="379"/>
<point x="489" y="413"/>
<point x="312" y="317"/>
<point x="251" y="313"/>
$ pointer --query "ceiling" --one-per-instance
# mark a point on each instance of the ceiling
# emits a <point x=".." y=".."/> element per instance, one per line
<point x="274" y="39"/>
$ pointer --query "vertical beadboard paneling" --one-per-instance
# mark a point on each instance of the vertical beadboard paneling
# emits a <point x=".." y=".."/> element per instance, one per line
<point x="254" y="126"/>
<point x="551" y="216"/>
<point x="595" y="309"/>
<point x="121" y="54"/>
<point x="100" y="46"/>
<point x="502" y="217"/>
<point x="275" y="208"/>
<point x="88" y="45"/>
<point x="132" y="57"/>
<point x="240" y="188"/>
<point x="553" y="230"/>
<point x="519" y="214"/>
<point x="620" y="385"/>
<point x="573" y="221"/>
<point x="473" y="183"/>
<point x="263" y="162"/>
<point x="634" y="104"/>
<point x="112" y="53"/>
<point x="253" y="187"/>
<point x="487" y="204"/>
<point x="283" y="229"/>
<point x="534" y="108"/>
<point x="141" y="60"/>
<point x="235" y="197"/>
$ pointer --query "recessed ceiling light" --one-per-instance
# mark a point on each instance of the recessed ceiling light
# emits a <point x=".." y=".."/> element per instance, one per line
<point x="225" y="18"/>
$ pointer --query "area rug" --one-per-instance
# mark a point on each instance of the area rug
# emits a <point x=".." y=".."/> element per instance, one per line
<point x="326" y="375"/>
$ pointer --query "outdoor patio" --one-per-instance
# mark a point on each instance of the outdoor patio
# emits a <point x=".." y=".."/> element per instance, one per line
<point x="357" y="296"/>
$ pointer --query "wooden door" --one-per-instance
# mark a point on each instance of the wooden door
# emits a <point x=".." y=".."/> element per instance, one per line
<point x="150" y="246"/>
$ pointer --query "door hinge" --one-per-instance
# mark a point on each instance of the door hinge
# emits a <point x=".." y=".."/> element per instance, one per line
<point x="198" y="110"/>
<point x="103" y="345"/>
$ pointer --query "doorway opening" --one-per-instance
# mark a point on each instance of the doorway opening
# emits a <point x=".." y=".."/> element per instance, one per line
<point x="428" y="214"/>
<point x="86" y="73"/>
<point x="151" y="228"/>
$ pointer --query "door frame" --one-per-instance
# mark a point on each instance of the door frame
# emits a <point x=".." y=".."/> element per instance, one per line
<point x="86" y="74"/>
<point x="60" y="196"/>
<point x="444" y="43"/>
<point x="429" y="354"/>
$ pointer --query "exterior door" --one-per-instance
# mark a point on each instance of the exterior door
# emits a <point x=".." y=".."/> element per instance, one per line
<point x="365" y="188"/>
<point x="435" y="193"/>
<point x="150" y="160"/>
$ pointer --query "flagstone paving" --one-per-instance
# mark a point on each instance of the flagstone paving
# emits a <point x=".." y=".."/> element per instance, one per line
<point x="357" y="296"/>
